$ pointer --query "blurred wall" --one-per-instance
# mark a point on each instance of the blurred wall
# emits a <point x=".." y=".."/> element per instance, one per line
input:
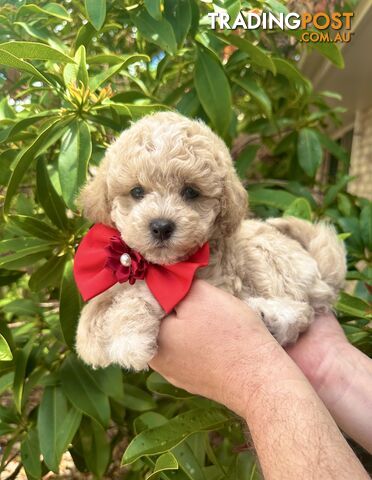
<point x="354" y="84"/>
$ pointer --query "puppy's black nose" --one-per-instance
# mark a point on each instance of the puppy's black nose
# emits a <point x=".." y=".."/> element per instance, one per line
<point x="161" y="228"/>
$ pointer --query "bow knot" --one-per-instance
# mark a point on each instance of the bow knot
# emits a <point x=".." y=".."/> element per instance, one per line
<point x="104" y="259"/>
<point x="132" y="268"/>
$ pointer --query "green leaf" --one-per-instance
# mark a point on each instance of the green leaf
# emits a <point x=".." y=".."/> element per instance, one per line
<point x="272" y="198"/>
<point x="110" y="381"/>
<point x="289" y="71"/>
<point x="96" y="448"/>
<point x="257" y="93"/>
<point x="160" y="439"/>
<point x="333" y="147"/>
<point x="357" y="337"/>
<point x="96" y="81"/>
<point x="51" y="202"/>
<point x="157" y="384"/>
<point x="155" y="8"/>
<point x="88" y="398"/>
<point x="300" y="208"/>
<point x="6" y="159"/>
<point x="85" y="34"/>
<point x="245" y="467"/>
<point x="5" y="352"/>
<point x="6" y="111"/>
<point x="49" y="274"/>
<point x="352" y="225"/>
<point x="35" y="227"/>
<point x="331" y="51"/>
<point x="184" y="453"/>
<point x="30" y="454"/>
<point x="22" y="306"/>
<point x="189" y="104"/>
<point x="120" y="108"/>
<point x="327" y="49"/>
<point x="148" y="420"/>
<point x="233" y="7"/>
<point x="35" y="50"/>
<point x="39" y="33"/>
<point x="137" y="399"/>
<point x="213" y="90"/>
<point x="309" y="151"/>
<point x="138" y="111"/>
<point x="8" y="277"/>
<point x="344" y="236"/>
<point x="69" y="305"/>
<point x="57" y="425"/>
<point x="178" y="14"/>
<point x="77" y="73"/>
<point x="245" y="159"/>
<point x="166" y="461"/>
<point x="10" y="60"/>
<point x="50" y="9"/>
<point x="26" y="256"/>
<point x="277" y="6"/>
<point x="20" y="362"/>
<point x="133" y="111"/>
<point x="188" y="462"/>
<point x="366" y="226"/>
<point x="353" y="306"/>
<point x="334" y="190"/>
<point x="51" y="132"/>
<point x="159" y="32"/>
<point x="20" y="243"/>
<point x="73" y="160"/>
<point x="96" y="12"/>
<point x="257" y="55"/>
<point x="111" y="59"/>
<point x="18" y="126"/>
<point x="6" y="381"/>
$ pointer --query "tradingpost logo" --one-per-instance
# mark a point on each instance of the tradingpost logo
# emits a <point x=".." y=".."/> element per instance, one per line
<point x="315" y="27"/>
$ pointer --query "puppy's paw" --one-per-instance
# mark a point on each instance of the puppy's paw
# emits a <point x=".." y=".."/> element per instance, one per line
<point x="133" y="351"/>
<point x="92" y="352"/>
<point x="284" y="318"/>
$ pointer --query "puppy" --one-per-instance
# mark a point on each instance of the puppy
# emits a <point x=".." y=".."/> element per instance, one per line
<point x="171" y="168"/>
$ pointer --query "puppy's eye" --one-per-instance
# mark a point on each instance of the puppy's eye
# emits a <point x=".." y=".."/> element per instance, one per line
<point x="137" y="193"/>
<point x="189" y="193"/>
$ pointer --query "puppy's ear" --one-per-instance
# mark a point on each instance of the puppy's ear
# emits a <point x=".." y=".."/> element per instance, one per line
<point x="234" y="202"/>
<point x="93" y="198"/>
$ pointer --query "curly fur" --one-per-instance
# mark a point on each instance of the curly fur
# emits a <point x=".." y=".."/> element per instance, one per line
<point x="286" y="269"/>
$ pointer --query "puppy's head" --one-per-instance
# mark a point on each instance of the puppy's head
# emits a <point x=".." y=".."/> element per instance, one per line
<point x="168" y="185"/>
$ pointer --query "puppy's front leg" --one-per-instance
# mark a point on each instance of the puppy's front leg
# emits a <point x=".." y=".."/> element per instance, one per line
<point x="91" y="332"/>
<point x="132" y="328"/>
<point x="285" y="318"/>
<point x="119" y="326"/>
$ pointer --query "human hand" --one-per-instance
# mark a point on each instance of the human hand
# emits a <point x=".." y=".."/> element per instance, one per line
<point x="214" y="345"/>
<point x="210" y="345"/>
<point x="340" y="374"/>
<point x="319" y="349"/>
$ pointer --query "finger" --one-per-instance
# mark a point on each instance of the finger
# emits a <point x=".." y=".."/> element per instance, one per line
<point x="165" y="331"/>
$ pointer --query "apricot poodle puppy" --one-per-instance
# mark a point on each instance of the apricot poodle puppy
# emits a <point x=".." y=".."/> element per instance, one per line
<point x="171" y="169"/>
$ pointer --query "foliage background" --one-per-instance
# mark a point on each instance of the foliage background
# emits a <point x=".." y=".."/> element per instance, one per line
<point x="73" y="75"/>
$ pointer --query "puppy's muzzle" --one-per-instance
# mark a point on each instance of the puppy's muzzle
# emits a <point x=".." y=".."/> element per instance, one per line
<point x="162" y="228"/>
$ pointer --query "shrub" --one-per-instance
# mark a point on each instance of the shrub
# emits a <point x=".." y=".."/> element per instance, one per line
<point x="74" y="76"/>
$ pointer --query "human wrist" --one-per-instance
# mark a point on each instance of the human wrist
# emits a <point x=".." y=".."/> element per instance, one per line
<point x="347" y="392"/>
<point x="251" y="365"/>
<point x="321" y="351"/>
<point x="334" y="372"/>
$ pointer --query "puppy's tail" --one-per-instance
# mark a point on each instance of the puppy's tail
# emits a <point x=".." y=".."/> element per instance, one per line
<point x="321" y="241"/>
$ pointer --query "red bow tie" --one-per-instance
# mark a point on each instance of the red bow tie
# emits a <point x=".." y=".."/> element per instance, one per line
<point x="103" y="259"/>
